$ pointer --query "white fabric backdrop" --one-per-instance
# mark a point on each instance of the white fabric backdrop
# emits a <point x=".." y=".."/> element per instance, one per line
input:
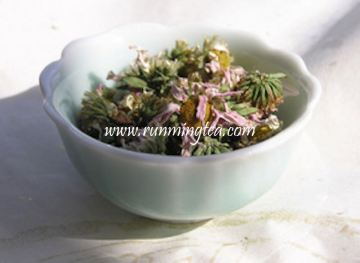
<point x="49" y="214"/>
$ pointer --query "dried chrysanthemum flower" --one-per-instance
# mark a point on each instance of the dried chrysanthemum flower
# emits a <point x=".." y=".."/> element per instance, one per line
<point x="262" y="90"/>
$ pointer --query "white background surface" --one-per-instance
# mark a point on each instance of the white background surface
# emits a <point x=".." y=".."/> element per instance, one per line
<point x="49" y="214"/>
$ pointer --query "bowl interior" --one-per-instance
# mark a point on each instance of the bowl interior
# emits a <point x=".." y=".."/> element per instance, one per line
<point x="85" y="63"/>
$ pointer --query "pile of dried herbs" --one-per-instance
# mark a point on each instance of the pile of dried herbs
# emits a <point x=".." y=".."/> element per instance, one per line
<point x="192" y="85"/>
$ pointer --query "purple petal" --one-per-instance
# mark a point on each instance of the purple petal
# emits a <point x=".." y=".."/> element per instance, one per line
<point x="99" y="89"/>
<point x="239" y="71"/>
<point x="213" y="66"/>
<point x="233" y="76"/>
<point x="164" y="116"/>
<point x="231" y="117"/>
<point x="227" y="77"/>
<point x="178" y="93"/>
<point x="234" y="118"/>
<point x="201" y="108"/>
<point x="211" y="92"/>
<point x="208" y="85"/>
<point x="197" y="88"/>
<point x="226" y="106"/>
<point x="188" y="141"/>
<point x="256" y="117"/>
<point x="228" y="93"/>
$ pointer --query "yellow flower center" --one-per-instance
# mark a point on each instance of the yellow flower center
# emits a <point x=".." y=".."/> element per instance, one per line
<point x="188" y="113"/>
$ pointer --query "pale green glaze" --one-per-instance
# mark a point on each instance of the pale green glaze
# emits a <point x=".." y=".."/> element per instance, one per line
<point x="167" y="187"/>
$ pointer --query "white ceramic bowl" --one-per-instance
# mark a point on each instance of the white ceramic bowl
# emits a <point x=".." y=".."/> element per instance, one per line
<point x="173" y="188"/>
